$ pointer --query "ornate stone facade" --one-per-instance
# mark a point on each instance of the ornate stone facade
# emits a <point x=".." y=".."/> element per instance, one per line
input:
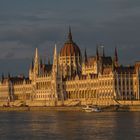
<point x="72" y="80"/>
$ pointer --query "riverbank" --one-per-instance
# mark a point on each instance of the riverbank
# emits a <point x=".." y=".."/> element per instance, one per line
<point x="41" y="108"/>
<point x="123" y="108"/>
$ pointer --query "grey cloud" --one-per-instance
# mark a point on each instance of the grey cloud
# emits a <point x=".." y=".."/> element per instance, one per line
<point x="25" y="25"/>
<point x="10" y="55"/>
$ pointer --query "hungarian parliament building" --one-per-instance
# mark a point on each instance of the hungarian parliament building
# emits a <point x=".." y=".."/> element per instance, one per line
<point x="73" y="79"/>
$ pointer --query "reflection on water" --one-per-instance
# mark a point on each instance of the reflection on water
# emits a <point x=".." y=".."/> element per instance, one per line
<point x="69" y="125"/>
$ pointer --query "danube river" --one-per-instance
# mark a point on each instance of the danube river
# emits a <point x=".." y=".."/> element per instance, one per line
<point x="69" y="126"/>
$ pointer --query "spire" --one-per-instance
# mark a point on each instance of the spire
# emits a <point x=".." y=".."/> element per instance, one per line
<point x="103" y="51"/>
<point x="116" y="57"/>
<point x="85" y="56"/>
<point x="97" y="53"/>
<point x="55" y="51"/>
<point x="48" y="60"/>
<point x="55" y="59"/>
<point x="36" y="55"/>
<point x="69" y="35"/>
<point x="32" y="64"/>
<point x="36" y="63"/>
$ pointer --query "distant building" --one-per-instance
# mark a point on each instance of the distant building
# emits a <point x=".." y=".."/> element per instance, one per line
<point x="72" y="80"/>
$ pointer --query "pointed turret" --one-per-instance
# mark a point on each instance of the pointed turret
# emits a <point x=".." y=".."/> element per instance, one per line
<point x="54" y="75"/>
<point x="97" y="53"/>
<point x="32" y="65"/>
<point x="55" y="60"/>
<point x="36" y="56"/>
<point x="36" y="63"/>
<point x="86" y="57"/>
<point x="31" y="69"/>
<point x="41" y="63"/>
<point x="70" y="35"/>
<point x="103" y="51"/>
<point x="55" y="52"/>
<point x="116" y="54"/>
<point x="116" y="57"/>
<point x="49" y="61"/>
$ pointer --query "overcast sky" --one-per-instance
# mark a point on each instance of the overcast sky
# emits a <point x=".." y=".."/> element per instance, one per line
<point x="27" y="24"/>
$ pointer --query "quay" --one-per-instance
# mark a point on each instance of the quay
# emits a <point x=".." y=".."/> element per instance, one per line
<point x="111" y="108"/>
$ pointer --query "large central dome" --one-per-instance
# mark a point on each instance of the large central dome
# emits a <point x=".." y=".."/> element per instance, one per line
<point x="70" y="48"/>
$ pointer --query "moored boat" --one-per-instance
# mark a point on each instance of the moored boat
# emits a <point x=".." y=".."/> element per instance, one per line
<point x="91" y="109"/>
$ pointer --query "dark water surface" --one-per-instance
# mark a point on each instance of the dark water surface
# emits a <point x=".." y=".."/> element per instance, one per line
<point x="69" y="126"/>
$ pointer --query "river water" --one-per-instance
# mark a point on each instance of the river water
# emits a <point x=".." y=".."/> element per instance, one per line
<point x="69" y="126"/>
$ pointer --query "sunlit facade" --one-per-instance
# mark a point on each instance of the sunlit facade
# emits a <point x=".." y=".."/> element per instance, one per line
<point x="73" y="79"/>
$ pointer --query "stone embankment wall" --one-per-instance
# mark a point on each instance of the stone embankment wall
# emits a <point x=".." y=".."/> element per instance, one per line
<point x="112" y="108"/>
<point x="40" y="109"/>
<point x="136" y="102"/>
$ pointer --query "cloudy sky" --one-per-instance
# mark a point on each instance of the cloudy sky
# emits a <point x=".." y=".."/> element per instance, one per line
<point x="27" y="24"/>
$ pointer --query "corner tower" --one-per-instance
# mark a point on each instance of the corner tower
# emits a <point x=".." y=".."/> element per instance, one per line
<point x="116" y="63"/>
<point x="35" y="67"/>
<point x="70" y="57"/>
